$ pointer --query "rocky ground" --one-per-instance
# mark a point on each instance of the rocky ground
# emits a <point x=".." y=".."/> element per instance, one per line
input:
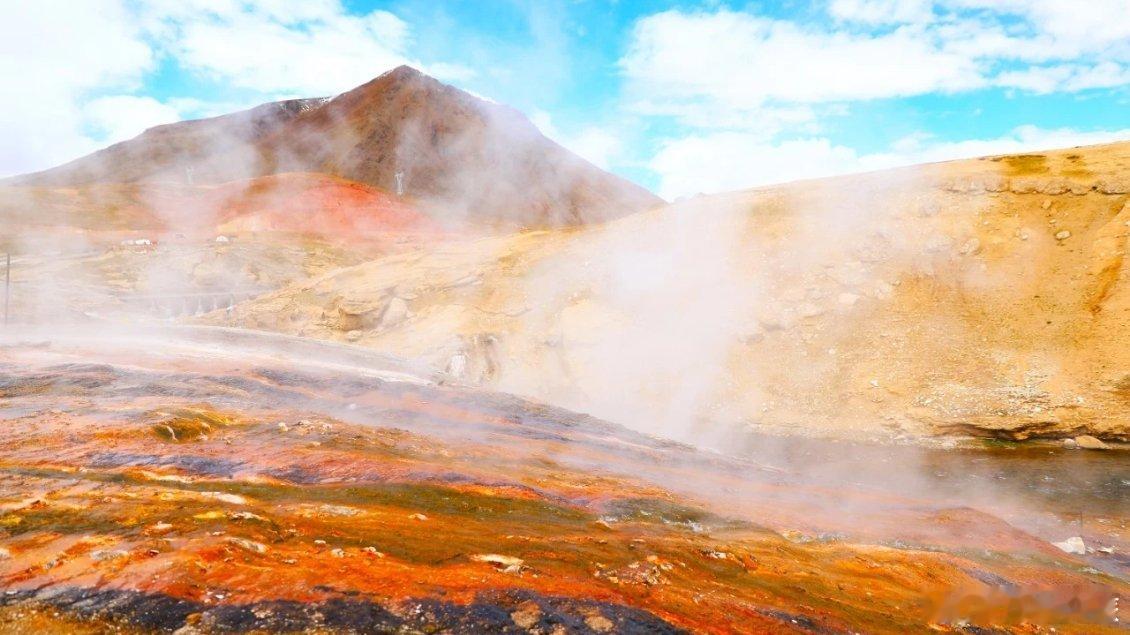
<point x="984" y="298"/>
<point x="212" y="481"/>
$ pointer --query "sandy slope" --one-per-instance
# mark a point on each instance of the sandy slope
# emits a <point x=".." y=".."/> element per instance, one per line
<point x="987" y="296"/>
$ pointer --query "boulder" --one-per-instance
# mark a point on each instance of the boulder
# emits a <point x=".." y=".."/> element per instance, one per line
<point x="1113" y="186"/>
<point x="396" y="311"/>
<point x="1073" y="545"/>
<point x="352" y="316"/>
<point x="1088" y="442"/>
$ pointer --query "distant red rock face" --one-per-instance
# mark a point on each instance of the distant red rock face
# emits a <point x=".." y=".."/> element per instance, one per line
<point x="466" y="161"/>
<point x="314" y="204"/>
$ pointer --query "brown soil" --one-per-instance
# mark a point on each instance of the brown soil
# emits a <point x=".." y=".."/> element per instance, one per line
<point x="986" y="297"/>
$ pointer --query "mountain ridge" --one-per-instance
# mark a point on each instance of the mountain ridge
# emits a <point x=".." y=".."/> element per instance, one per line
<point x="469" y="160"/>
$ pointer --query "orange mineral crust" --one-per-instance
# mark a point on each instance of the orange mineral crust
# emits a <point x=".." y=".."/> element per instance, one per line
<point x="147" y="486"/>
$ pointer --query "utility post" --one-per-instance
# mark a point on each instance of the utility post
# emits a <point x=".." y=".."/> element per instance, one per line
<point x="7" y="284"/>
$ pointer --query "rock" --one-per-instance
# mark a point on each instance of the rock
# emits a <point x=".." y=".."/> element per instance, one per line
<point x="1055" y="187"/>
<point x="527" y="615"/>
<point x="1070" y="444"/>
<point x="1025" y="186"/>
<point x="970" y="247"/>
<point x="247" y="545"/>
<point x="847" y="299"/>
<point x="777" y="319"/>
<point x="353" y="316"/>
<point x="247" y="516"/>
<point x="337" y="553"/>
<point x="395" y="312"/>
<point x="809" y="310"/>
<point x="5" y="554"/>
<point x="102" y="555"/>
<point x="1073" y="545"/>
<point x="339" y="510"/>
<point x="881" y="290"/>
<point x="1046" y="204"/>
<point x="995" y="184"/>
<point x="372" y="551"/>
<point x="1062" y="234"/>
<point x="283" y="427"/>
<point x="755" y="335"/>
<point x="420" y="517"/>
<point x="353" y="336"/>
<point x="1088" y="442"/>
<point x="1113" y="187"/>
<point x="507" y="564"/>
<point x="599" y="623"/>
<point x="233" y="499"/>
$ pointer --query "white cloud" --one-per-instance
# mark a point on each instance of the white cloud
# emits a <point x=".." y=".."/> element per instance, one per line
<point x="737" y="65"/>
<point x="1071" y="77"/>
<point x="1065" y="27"/>
<point x="293" y="47"/>
<point x="120" y="117"/>
<point x="69" y="68"/>
<point x="741" y="61"/>
<point x="881" y="11"/>
<point x="1021" y="139"/>
<point x="595" y="144"/>
<point x="754" y="91"/>
<point x="599" y="146"/>
<point x="53" y="54"/>
<point x="726" y="161"/>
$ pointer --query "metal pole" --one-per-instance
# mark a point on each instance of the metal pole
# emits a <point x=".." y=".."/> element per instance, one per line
<point x="7" y="284"/>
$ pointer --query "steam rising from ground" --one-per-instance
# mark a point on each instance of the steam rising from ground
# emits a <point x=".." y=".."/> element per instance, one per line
<point x="701" y="322"/>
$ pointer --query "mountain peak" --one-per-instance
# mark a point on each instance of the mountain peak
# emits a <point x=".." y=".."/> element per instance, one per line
<point x="465" y="160"/>
<point x="405" y="71"/>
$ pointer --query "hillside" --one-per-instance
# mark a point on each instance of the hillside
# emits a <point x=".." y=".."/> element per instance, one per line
<point x="303" y="203"/>
<point x="986" y="297"/>
<point x="466" y="161"/>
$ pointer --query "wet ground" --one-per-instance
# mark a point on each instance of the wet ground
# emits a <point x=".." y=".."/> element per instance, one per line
<point x="217" y="481"/>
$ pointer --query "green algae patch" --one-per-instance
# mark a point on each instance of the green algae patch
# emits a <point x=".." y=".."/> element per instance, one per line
<point x="656" y="510"/>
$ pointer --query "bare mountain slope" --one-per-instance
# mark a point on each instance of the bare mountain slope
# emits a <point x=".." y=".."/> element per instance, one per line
<point x="989" y="297"/>
<point x="202" y="151"/>
<point x="466" y="160"/>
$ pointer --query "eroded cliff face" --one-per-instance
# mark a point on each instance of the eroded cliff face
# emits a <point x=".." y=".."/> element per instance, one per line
<point x="986" y="297"/>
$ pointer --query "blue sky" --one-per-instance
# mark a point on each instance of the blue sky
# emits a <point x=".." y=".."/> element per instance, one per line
<point x="681" y="97"/>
